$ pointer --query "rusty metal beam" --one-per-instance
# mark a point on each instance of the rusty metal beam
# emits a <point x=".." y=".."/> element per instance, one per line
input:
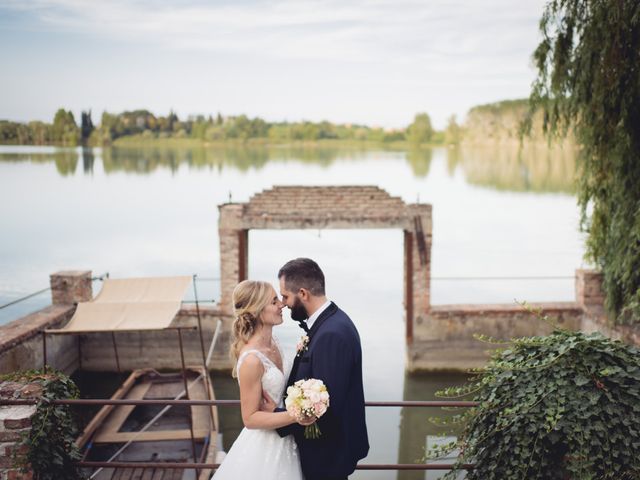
<point x="422" y="246"/>
<point x="408" y="289"/>
<point x="243" y="255"/>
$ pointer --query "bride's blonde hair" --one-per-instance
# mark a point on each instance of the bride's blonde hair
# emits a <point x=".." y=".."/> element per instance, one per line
<point x="250" y="297"/>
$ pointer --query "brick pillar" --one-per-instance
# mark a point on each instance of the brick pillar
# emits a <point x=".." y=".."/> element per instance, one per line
<point x="233" y="252"/>
<point x="589" y="291"/>
<point x="15" y="424"/>
<point x="69" y="287"/>
<point x="417" y="265"/>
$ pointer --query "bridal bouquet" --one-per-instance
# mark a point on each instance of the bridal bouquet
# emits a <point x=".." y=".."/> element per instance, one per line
<point x="308" y="398"/>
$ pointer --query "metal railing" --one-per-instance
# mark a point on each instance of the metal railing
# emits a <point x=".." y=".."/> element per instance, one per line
<point x="432" y="278"/>
<point x="235" y="403"/>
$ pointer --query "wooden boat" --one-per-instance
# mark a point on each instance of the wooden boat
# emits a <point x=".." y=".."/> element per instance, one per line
<point x="132" y="433"/>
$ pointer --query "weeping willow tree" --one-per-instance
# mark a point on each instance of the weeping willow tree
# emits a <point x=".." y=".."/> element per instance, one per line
<point x="588" y="80"/>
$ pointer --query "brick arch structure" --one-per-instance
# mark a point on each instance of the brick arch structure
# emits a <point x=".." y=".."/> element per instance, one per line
<point x="339" y="207"/>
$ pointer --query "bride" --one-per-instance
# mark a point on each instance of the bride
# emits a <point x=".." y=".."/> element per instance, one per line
<point x="259" y="452"/>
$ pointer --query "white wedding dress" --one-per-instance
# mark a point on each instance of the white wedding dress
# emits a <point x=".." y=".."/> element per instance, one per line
<point x="262" y="454"/>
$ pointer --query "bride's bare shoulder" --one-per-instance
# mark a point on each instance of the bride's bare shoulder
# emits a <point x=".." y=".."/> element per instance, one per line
<point x="250" y="364"/>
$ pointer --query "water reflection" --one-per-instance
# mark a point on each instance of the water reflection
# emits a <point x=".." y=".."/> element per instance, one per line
<point x="414" y="421"/>
<point x="454" y="156"/>
<point x="66" y="162"/>
<point x="420" y="161"/>
<point x="88" y="159"/>
<point x="65" y="159"/>
<point x="535" y="168"/>
<point x="243" y="158"/>
<point x="226" y="388"/>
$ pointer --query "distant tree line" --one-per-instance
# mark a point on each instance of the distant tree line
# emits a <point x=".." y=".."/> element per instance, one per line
<point x="65" y="131"/>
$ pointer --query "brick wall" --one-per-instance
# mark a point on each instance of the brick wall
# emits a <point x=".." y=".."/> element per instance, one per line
<point x="15" y="424"/>
<point x="590" y="295"/>
<point x="589" y="291"/>
<point x="231" y="233"/>
<point x="70" y="287"/>
<point x="329" y="207"/>
<point x="21" y="344"/>
<point x="420" y="269"/>
<point x="444" y="338"/>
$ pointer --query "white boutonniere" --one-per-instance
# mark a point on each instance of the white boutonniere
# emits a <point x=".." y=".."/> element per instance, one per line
<point x="303" y="345"/>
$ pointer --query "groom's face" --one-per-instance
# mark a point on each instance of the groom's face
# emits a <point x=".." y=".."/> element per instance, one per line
<point x="292" y="300"/>
<point x="298" y="312"/>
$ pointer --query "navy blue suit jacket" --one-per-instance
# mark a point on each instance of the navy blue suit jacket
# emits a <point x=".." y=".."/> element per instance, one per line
<point x="334" y="356"/>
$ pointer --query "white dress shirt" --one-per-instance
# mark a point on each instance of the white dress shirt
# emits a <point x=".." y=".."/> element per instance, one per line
<point x="311" y="320"/>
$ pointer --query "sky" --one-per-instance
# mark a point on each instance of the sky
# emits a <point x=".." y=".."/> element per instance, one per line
<point x="372" y="62"/>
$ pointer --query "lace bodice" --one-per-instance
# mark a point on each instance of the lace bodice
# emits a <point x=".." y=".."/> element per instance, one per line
<point x="273" y="379"/>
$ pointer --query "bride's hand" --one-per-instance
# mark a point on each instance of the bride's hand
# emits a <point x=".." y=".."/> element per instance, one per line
<point x="306" y="421"/>
<point x="267" y="404"/>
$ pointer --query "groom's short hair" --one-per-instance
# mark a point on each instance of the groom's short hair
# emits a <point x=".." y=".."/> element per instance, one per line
<point x="303" y="273"/>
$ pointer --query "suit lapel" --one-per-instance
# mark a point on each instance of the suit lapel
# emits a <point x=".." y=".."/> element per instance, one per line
<point x="330" y="310"/>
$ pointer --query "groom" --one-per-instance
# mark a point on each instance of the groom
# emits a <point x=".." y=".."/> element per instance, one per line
<point x="333" y="355"/>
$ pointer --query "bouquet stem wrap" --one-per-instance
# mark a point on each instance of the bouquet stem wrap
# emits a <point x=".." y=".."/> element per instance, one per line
<point x="312" y="431"/>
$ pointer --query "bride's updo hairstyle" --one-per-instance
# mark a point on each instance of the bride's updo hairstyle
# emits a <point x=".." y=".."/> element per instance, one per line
<point x="250" y="297"/>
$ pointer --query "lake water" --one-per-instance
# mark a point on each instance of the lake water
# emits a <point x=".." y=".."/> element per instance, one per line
<point x="153" y="211"/>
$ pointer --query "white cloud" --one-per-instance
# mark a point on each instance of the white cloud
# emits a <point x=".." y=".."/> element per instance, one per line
<point x="341" y="30"/>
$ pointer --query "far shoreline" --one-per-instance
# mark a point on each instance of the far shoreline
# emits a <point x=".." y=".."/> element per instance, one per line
<point x="144" y="141"/>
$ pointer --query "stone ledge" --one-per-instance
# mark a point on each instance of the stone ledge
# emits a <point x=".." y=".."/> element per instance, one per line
<point x="499" y="308"/>
<point x="16" y="417"/>
<point x="22" y="329"/>
<point x="10" y="389"/>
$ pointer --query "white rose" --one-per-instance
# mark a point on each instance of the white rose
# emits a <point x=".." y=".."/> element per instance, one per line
<point x="293" y="392"/>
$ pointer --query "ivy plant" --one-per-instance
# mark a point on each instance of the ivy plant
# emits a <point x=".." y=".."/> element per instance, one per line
<point x="51" y="449"/>
<point x="562" y="406"/>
